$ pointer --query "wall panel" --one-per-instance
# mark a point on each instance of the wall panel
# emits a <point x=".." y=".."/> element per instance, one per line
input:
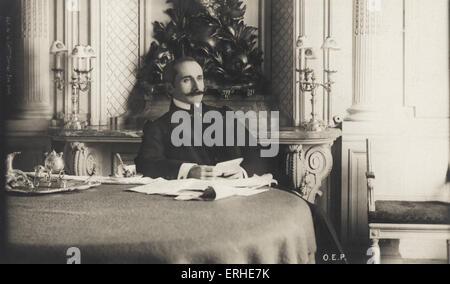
<point x="427" y="58"/>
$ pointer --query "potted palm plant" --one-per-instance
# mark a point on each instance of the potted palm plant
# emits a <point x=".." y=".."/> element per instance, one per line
<point x="214" y="33"/>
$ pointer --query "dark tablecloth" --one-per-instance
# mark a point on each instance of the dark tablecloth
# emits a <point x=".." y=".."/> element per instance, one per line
<point x="111" y="225"/>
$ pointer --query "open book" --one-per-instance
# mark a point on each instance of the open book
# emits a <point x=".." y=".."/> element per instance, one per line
<point x="208" y="190"/>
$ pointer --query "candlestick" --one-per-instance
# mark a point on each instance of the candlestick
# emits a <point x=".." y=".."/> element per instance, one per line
<point x="80" y="64"/>
<point x="330" y="14"/>
<point x="81" y="82"/>
<point x="369" y="155"/>
<point x="58" y="49"/>
<point x="303" y="15"/>
<point x="58" y="61"/>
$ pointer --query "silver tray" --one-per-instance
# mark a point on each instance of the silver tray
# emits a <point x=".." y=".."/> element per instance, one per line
<point x="71" y="186"/>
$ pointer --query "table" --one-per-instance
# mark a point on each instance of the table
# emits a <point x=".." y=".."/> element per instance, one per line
<point x="111" y="225"/>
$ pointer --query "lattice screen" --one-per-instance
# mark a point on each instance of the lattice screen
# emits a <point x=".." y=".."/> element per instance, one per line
<point x="283" y="54"/>
<point x="122" y="52"/>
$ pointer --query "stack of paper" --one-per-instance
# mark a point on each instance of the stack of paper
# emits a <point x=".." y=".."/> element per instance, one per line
<point x="193" y="189"/>
<point x="138" y="180"/>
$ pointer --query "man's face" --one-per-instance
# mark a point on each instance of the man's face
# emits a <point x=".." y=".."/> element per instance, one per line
<point x="188" y="85"/>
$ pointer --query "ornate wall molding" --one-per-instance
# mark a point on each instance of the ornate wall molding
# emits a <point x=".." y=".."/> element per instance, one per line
<point x="294" y="164"/>
<point x="9" y="68"/>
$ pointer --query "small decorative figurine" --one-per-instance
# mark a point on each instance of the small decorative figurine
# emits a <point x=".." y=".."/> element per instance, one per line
<point x="16" y="178"/>
<point x="124" y="171"/>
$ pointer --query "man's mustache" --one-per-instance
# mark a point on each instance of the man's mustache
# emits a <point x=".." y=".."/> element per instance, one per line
<point x="196" y="93"/>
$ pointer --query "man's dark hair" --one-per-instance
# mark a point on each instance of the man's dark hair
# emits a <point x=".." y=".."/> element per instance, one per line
<point x="170" y="72"/>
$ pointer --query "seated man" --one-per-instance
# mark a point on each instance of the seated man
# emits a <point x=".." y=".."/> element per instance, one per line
<point x="159" y="156"/>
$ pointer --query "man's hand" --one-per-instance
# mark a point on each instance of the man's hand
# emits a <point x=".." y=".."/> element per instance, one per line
<point x="233" y="173"/>
<point x="202" y="172"/>
<point x="230" y="169"/>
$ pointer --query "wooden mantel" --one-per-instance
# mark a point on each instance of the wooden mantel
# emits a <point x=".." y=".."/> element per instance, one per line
<point x="91" y="151"/>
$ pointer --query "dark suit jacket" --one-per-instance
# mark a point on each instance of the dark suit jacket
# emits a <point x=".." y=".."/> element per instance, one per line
<point x="158" y="157"/>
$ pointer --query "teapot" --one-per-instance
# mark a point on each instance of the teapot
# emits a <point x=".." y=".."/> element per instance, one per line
<point x="54" y="162"/>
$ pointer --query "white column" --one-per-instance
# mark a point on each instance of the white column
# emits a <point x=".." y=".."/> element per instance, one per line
<point x="33" y="76"/>
<point x="365" y="29"/>
<point x="378" y="60"/>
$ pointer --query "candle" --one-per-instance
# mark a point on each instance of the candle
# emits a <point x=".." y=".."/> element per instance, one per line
<point x="80" y="64"/>
<point x="86" y="63"/>
<point x="92" y="63"/>
<point x="303" y="15"/>
<point x="306" y="68"/>
<point x="74" y="63"/>
<point x="330" y="32"/>
<point x="369" y="155"/>
<point x="58" y="61"/>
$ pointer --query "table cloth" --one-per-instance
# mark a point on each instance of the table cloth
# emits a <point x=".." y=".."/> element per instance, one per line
<point x="111" y="225"/>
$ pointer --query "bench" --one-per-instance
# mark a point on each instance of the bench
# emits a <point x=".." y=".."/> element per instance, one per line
<point x="403" y="219"/>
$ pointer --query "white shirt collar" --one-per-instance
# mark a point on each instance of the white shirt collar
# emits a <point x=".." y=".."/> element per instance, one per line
<point x="184" y="105"/>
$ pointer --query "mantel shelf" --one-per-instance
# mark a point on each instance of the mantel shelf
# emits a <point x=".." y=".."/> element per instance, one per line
<point x="97" y="134"/>
<point x="287" y="136"/>
<point x="298" y="136"/>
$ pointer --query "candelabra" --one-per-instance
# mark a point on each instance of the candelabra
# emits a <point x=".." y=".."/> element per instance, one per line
<point x="59" y="50"/>
<point x="308" y="83"/>
<point x="81" y="82"/>
<point x="82" y="62"/>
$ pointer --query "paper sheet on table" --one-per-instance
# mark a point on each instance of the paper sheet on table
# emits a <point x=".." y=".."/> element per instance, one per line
<point x="193" y="189"/>
<point x="124" y="181"/>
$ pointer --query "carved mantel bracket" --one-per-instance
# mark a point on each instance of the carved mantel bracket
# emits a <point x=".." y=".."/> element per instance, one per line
<point x="309" y="160"/>
<point x="80" y="159"/>
<point x="307" y="167"/>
